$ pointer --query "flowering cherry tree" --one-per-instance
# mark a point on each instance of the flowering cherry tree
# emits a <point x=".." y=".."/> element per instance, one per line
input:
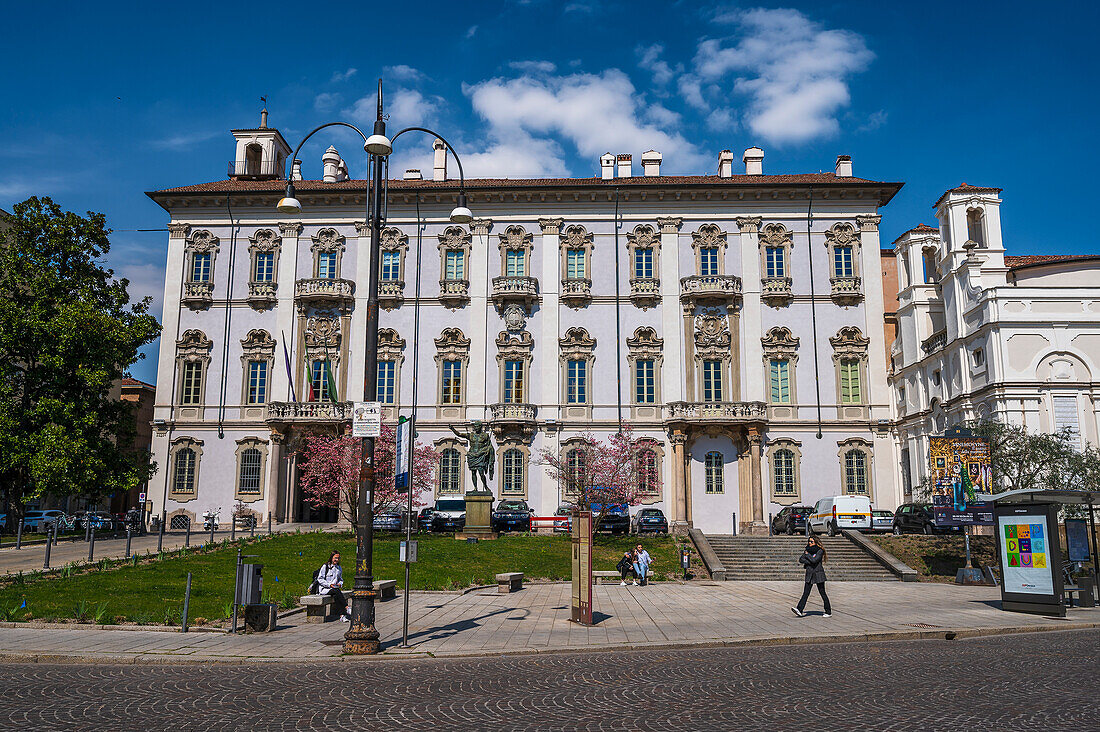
<point x="330" y="470"/>
<point x="619" y="470"/>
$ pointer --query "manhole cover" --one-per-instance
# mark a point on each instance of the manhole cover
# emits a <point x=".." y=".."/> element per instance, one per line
<point x="920" y="625"/>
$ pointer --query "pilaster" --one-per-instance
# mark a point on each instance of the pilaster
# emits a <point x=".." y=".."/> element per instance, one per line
<point x="285" y="312"/>
<point x="880" y="396"/>
<point x="173" y="292"/>
<point x="672" y="324"/>
<point x="357" y="338"/>
<point x="479" y="320"/>
<point x="545" y="368"/>
<point x="750" y="357"/>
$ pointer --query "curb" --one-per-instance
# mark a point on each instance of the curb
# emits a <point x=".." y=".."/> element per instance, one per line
<point x="762" y="641"/>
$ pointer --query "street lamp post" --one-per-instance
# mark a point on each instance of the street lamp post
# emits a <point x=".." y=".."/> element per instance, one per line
<point x="362" y="637"/>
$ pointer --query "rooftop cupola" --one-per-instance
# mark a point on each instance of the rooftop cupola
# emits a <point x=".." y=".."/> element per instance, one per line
<point x="261" y="152"/>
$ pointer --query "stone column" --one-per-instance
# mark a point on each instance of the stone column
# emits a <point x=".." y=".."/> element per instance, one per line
<point x="678" y="494"/>
<point x="750" y="327"/>
<point x="272" y="485"/>
<point x="672" y="377"/>
<point x="756" y="448"/>
<point x="284" y="313"/>
<point x="478" y="333"/>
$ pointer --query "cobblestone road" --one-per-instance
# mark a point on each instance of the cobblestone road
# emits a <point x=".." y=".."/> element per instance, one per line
<point x="1042" y="681"/>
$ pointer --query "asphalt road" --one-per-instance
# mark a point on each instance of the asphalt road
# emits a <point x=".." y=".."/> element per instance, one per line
<point x="1044" y="681"/>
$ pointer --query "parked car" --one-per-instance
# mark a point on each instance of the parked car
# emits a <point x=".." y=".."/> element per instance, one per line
<point x="649" y="520"/>
<point x="882" y="520"/>
<point x="449" y="515"/>
<point x="41" y="520"/>
<point x="511" y="516"/>
<point x="836" y="513"/>
<point x="387" y="519"/>
<point x="3" y="522"/>
<point x="791" y="520"/>
<point x="424" y="519"/>
<point x="564" y="523"/>
<point x="918" y="518"/>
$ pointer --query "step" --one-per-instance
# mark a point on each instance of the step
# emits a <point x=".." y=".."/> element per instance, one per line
<point x="776" y="557"/>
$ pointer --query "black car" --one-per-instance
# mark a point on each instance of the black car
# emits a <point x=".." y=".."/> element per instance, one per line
<point x="511" y="516"/>
<point x="918" y="518"/>
<point x="424" y="519"/>
<point x="791" y="520"/>
<point x="649" y="520"/>
<point x="616" y="520"/>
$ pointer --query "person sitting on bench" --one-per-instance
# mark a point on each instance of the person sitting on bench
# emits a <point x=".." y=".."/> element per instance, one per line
<point x="330" y="581"/>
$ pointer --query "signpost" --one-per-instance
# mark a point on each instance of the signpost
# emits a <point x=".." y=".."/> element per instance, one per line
<point x="582" y="568"/>
<point x="367" y="419"/>
<point x="1031" y="558"/>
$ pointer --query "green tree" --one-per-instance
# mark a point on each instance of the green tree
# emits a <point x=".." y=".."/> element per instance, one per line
<point x="67" y="331"/>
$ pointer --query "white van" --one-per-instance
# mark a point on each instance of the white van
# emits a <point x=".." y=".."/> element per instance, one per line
<point x="836" y="513"/>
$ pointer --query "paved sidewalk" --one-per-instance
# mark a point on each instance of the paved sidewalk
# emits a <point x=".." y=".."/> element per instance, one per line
<point x="536" y="620"/>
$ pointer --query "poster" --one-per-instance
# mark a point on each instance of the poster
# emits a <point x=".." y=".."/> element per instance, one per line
<point x="959" y="469"/>
<point x="366" y="419"/>
<point x="1025" y="554"/>
<point x="1077" y="540"/>
<point x="403" y="453"/>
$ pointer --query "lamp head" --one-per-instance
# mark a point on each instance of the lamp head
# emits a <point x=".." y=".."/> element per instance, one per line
<point x="378" y="143"/>
<point x="461" y="214"/>
<point x="289" y="204"/>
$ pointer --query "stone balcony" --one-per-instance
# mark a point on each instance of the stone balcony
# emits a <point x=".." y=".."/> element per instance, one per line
<point x="280" y="415"/>
<point x="710" y="289"/>
<point x="198" y="295"/>
<point x="521" y="290"/>
<point x="645" y="292"/>
<point x="454" y="293"/>
<point x="513" y="419"/>
<point x="324" y="292"/>
<point x="576" y="291"/>
<point x="262" y="294"/>
<point x="776" y="290"/>
<point x="934" y="342"/>
<point x="716" y="413"/>
<point x="391" y="293"/>
<point x="846" y="290"/>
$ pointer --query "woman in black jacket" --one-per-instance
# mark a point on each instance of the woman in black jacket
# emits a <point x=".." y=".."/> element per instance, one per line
<point x="626" y="568"/>
<point x="814" y="560"/>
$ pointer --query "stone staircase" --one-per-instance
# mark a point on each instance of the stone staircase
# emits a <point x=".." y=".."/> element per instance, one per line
<point x="776" y="558"/>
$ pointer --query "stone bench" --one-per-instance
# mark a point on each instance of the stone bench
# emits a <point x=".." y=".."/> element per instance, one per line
<point x="387" y="589"/>
<point x="509" y="582"/>
<point x="606" y="576"/>
<point x="319" y="608"/>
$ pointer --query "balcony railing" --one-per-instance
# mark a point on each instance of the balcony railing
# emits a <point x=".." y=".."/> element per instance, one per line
<point x="934" y="342"/>
<point x="513" y="412"/>
<point x="198" y="294"/>
<point x="255" y="169"/>
<point x="716" y="412"/>
<point x="323" y="291"/>
<point x="846" y="290"/>
<point x="645" y="291"/>
<point x="454" y="293"/>
<point x="776" y="289"/>
<point x="576" y="291"/>
<point x="524" y="290"/>
<point x="702" y="288"/>
<point x="262" y="293"/>
<point x="391" y="293"/>
<point x="308" y="412"/>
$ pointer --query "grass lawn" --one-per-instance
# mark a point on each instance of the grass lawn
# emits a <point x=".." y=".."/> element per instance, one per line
<point x="152" y="591"/>
<point x="938" y="558"/>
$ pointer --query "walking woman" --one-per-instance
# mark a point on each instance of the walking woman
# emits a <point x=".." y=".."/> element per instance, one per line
<point x="814" y="560"/>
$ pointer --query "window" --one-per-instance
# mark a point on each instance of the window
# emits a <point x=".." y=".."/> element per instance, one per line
<point x="936" y="377"/>
<point x="842" y="261"/>
<point x="575" y="463"/>
<point x="979" y="357"/>
<point x="975" y="229"/>
<point x="322" y="388"/>
<point x="713" y="469"/>
<point x="1067" y="419"/>
<point x="326" y="265"/>
<point x="574" y="264"/>
<point x="513" y="382"/>
<point x="783" y="473"/>
<point x="387" y="379"/>
<point x="264" y="267"/>
<point x="191" y="389"/>
<point x="647" y="471"/>
<point x="456" y="266"/>
<point x="643" y="263"/>
<point x="645" y="382"/>
<point x="515" y="263"/>
<point x="712" y="381"/>
<point x="774" y="262"/>
<point x="450" y="471"/>
<point x="850" y="387"/>
<point x="576" y="382"/>
<point x="708" y="261"/>
<point x="855" y="472"/>
<point x="183" y="480"/>
<point x="250" y="472"/>
<point x="452" y="382"/>
<point x="391" y="266"/>
<point x="513" y="471"/>
<point x="257" y="382"/>
<point x="200" y="266"/>
<point x="780" y="377"/>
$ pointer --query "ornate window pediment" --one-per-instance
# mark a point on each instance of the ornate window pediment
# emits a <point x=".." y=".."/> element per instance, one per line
<point x="257" y="344"/>
<point x="202" y="241"/>
<point x="327" y="240"/>
<point x="849" y="341"/>
<point x="645" y="343"/>
<point x="780" y="343"/>
<point x="514" y="346"/>
<point x="452" y="345"/>
<point x="265" y="240"/>
<point x="455" y="237"/>
<point x="194" y="344"/>
<point x="391" y="346"/>
<point x="577" y="345"/>
<point x="515" y="241"/>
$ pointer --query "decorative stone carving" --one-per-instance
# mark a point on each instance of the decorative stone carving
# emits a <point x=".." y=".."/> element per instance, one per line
<point x="576" y="237"/>
<point x="515" y="318"/>
<point x="669" y="224"/>
<point x="322" y="337"/>
<point x="712" y="334"/>
<point x="708" y="235"/>
<point x="328" y="240"/>
<point x="551" y="226"/>
<point x="748" y="224"/>
<point x="576" y="345"/>
<point x="849" y="341"/>
<point x="178" y="230"/>
<point x="290" y="228"/>
<point x="780" y="343"/>
<point x="452" y="345"/>
<point x="203" y="241"/>
<point x="194" y="344"/>
<point x="258" y="344"/>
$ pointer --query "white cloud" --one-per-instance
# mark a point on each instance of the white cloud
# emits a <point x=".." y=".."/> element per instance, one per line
<point x="533" y="67"/>
<point x="183" y="141"/>
<point x="793" y="70"/>
<point x="471" y="31"/>
<point x="404" y="106"/>
<point x="649" y="59"/>
<point x="343" y="75"/>
<point x="874" y="121"/>
<point x="325" y="101"/>
<point x="402" y="72"/>
<point x="691" y="89"/>
<point x="596" y="113"/>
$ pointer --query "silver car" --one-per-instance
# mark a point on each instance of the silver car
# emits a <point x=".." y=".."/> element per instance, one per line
<point x="882" y="521"/>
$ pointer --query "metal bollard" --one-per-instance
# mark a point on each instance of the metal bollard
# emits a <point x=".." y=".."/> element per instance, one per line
<point x="127" y="541"/>
<point x="252" y="526"/>
<point x="46" y="562"/>
<point x="187" y="539"/>
<point x="232" y="528"/>
<point x="160" y="534"/>
<point x="211" y="531"/>
<point x="91" y="546"/>
<point x="269" y="523"/>
<point x="186" y="604"/>
<point x="19" y="535"/>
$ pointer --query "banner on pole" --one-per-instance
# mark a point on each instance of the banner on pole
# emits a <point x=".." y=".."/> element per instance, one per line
<point x="403" y="454"/>
<point x="960" y="471"/>
<point x="366" y="419"/>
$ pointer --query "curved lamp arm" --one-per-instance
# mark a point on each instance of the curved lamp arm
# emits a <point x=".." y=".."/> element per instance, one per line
<point x="461" y="177"/>
<point x="316" y="130"/>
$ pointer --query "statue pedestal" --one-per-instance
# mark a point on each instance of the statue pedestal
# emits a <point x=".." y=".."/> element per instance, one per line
<point x="479" y="508"/>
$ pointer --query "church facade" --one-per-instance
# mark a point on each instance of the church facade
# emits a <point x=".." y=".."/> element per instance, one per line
<point x="735" y="321"/>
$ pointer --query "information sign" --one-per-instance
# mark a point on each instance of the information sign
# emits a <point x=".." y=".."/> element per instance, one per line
<point x="582" y="568"/>
<point x="407" y="552"/>
<point x="403" y="452"/>
<point x="1077" y="540"/>
<point x="366" y="419"/>
<point x="959" y="469"/>
<point x="1030" y="557"/>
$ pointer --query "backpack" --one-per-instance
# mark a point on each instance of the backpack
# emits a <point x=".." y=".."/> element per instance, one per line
<point x="314" y="587"/>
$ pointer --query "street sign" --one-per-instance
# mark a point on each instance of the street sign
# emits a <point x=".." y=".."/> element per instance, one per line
<point x="141" y="498"/>
<point x="366" y="419"/>
<point x="407" y="552"/>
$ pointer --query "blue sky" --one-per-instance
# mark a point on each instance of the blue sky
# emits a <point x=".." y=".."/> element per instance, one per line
<point x="107" y="101"/>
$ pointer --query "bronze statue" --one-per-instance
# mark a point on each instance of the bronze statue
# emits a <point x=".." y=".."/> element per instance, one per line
<point x="480" y="456"/>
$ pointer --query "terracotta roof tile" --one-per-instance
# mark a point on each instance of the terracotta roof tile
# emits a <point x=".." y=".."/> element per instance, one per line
<point x="1032" y="260"/>
<point x="965" y="188"/>
<point x="127" y="381"/>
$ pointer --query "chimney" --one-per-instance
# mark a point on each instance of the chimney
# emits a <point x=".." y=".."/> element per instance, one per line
<point x="607" y="166"/>
<point x="296" y="170"/>
<point x="440" y="171"/>
<point x="651" y="163"/>
<point x="413" y="174"/>
<point x="625" y="165"/>
<point x="342" y="170"/>
<point x="725" y="164"/>
<point x="331" y="161"/>
<point x="263" y="119"/>
<point x="754" y="161"/>
<point x="843" y="166"/>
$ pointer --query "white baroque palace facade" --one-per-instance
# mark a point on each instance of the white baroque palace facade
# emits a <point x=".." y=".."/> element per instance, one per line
<point x="735" y="320"/>
<point x="982" y="335"/>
